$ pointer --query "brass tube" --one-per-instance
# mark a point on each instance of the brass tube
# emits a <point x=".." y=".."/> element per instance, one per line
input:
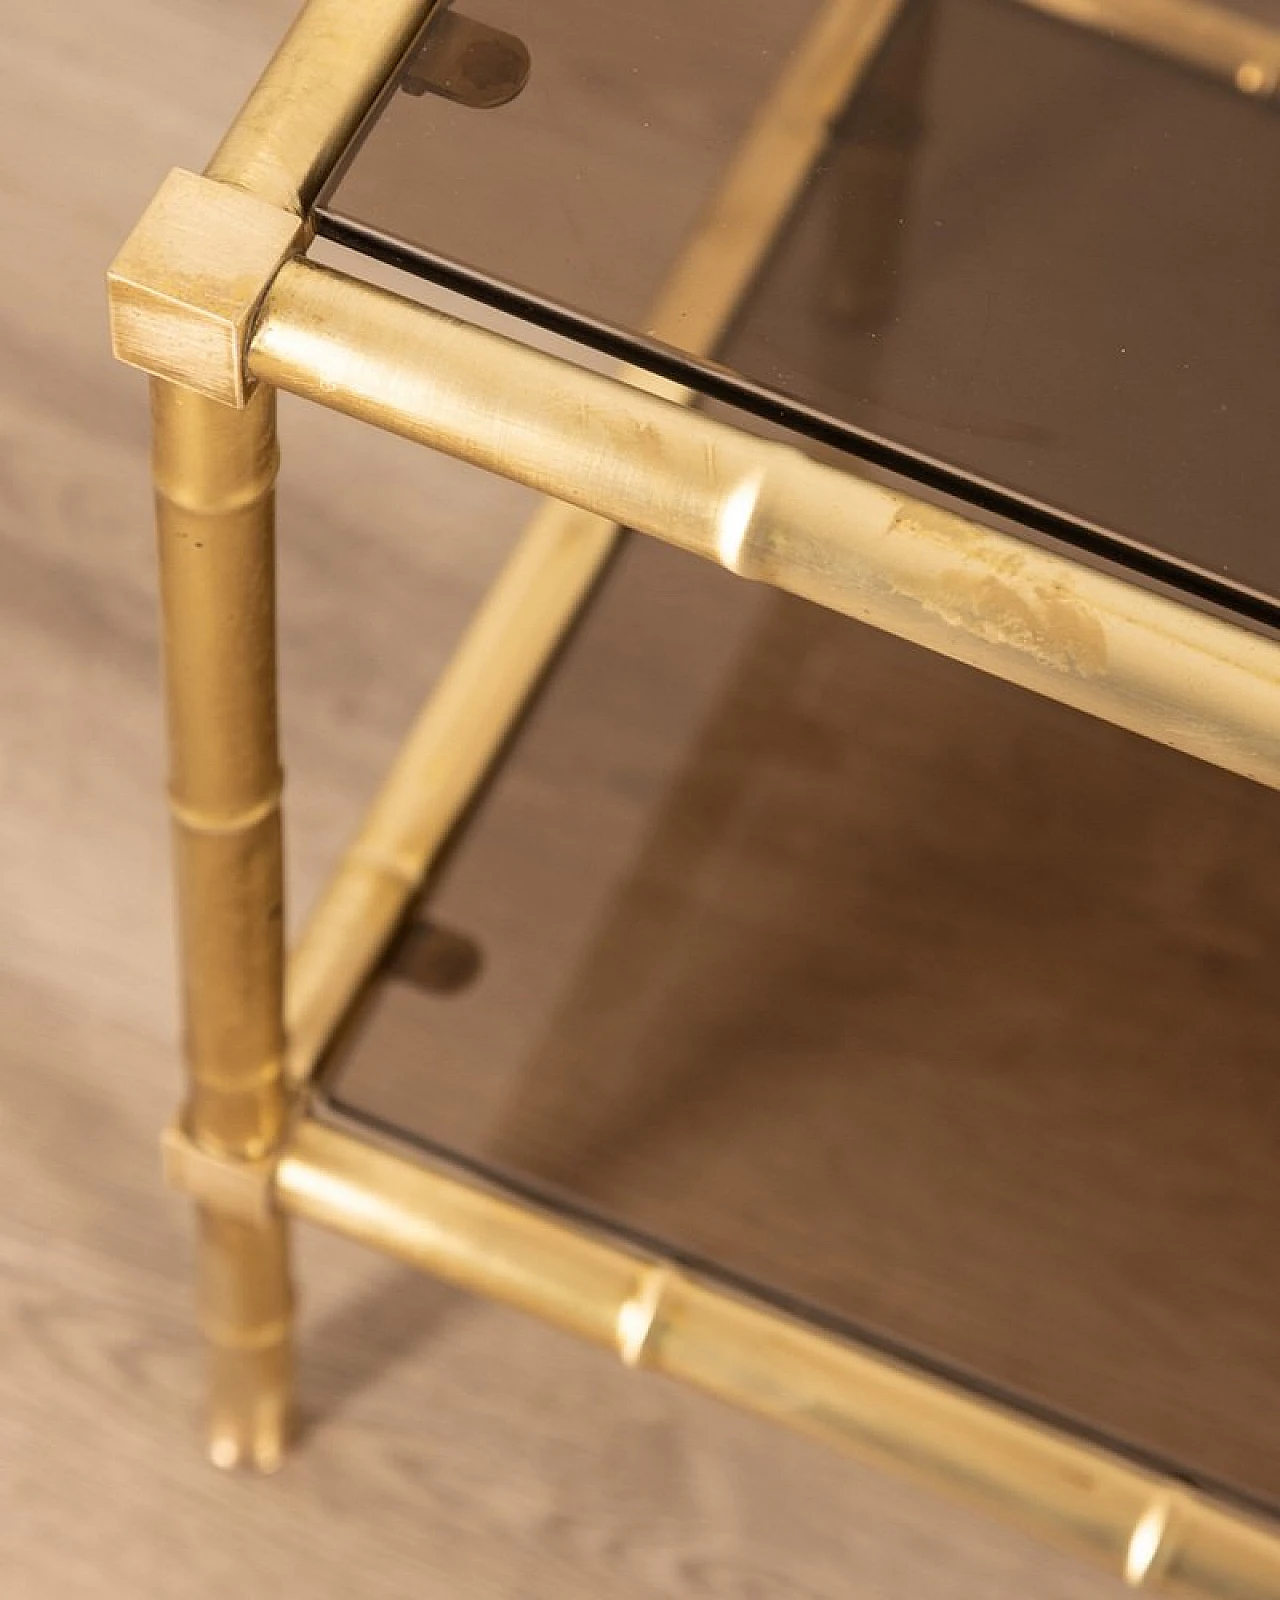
<point x="459" y="1234"/>
<point x="214" y="474"/>
<point x="1215" y="39"/>
<point x="545" y="581"/>
<point x="765" y="511"/>
<point x="214" y="470"/>
<point x="324" y="76"/>
<point x="446" y="754"/>
<point x="1147" y="1529"/>
<point x="245" y="1305"/>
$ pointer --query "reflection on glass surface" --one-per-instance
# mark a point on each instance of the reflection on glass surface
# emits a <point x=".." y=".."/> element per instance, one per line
<point x="1038" y="256"/>
<point x="884" y="987"/>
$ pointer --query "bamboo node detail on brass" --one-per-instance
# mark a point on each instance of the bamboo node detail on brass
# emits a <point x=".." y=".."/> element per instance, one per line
<point x="638" y="1315"/>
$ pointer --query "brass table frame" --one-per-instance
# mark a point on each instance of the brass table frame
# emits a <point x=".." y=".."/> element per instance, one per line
<point x="212" y="296"/>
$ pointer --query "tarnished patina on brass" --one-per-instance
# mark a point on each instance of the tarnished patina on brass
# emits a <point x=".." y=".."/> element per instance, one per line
<point x="184" y="289"/>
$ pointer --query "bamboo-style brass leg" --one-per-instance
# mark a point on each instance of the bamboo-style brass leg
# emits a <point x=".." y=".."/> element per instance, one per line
<point x="245" y="1316"/>
<point x="214" y="473"/>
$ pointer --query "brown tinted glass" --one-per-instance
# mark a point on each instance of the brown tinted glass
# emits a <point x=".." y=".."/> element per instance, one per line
<point x="1033" y="263"/>
<point x="880" y="986"/>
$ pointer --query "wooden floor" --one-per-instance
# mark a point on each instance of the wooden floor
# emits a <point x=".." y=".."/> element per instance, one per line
<point x="451" y="1449"/>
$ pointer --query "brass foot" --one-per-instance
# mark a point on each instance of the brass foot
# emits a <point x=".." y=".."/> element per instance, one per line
<point x="249" y="1407"/>
<point x="246" y="1312"/>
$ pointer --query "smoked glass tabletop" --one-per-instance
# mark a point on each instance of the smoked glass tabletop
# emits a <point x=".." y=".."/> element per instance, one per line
<point x="938" y="1012"/>
<point x="1034" y="266"/>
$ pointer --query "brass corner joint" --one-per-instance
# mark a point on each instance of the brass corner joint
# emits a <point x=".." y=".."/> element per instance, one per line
<point x="242" y="1190"/>
<point x="187" y="284"/>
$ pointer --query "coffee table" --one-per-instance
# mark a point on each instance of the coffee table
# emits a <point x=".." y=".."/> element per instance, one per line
<point x="794" y="1010"/>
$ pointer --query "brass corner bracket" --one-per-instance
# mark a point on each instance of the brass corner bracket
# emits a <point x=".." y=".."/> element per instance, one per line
<point x="185" y="288"/>
<point x="243" y="1190"/>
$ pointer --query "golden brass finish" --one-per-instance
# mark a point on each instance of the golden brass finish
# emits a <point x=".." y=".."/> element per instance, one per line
<point x="183" y="291"/>
<point x="547" y="578"/>
<point x="184" y="288"/>
<point x="1150" y="1530"/>
<point x="763" y="510"/>
<point x="240" y="1189"/>
<point x="1216" y="39"/>
<point x="214" y="474"/>
<point x="211" y="260"/>
<point x="329" y="69"/>
<point x="467" y="1237"/>
<point x="446" y="754"/>
<point x="246" y="1315"/>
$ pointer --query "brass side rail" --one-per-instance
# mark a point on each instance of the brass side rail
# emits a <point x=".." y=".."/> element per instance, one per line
<point x="1151" y="1531"/>
<point x="763" y="510"/>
